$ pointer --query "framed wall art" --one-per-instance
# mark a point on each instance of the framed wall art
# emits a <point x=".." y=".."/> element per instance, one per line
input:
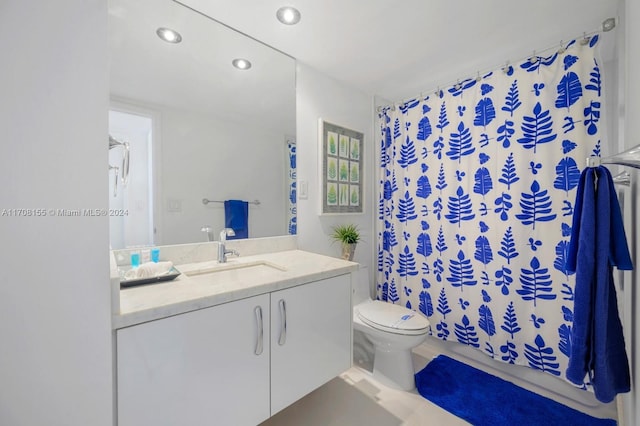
<point x="341" y="169"/>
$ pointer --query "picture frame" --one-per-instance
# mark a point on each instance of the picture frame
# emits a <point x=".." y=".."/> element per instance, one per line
<point x="341" y="169"/>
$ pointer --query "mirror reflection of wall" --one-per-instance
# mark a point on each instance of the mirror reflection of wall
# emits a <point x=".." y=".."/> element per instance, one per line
<point x="131" y="202"/>
<point x="218" y="133"/>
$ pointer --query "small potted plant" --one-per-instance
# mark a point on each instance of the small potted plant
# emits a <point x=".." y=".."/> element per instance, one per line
<point x="348" y="236"/>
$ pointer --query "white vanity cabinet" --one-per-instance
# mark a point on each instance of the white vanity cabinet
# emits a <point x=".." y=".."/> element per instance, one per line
<point x="310" y="338"/>
<point x="205" y="367"/>
<point x="235" y="363"/>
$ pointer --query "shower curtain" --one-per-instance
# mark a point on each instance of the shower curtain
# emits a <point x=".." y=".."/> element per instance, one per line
<point x="292" y="209"/>
<point x="477" y="185"/>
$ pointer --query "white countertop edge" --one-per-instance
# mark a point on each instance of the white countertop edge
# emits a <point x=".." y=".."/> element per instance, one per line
<point x="295" y="278"/>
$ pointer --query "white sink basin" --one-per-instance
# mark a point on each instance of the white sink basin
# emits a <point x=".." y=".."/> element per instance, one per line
<point x="233" y="265"/>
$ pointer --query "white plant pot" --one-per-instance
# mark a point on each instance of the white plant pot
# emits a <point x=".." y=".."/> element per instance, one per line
<point x="348" y="250"/>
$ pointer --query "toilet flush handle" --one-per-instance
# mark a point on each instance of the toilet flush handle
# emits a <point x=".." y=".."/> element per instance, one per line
<point x="283" y="322"/>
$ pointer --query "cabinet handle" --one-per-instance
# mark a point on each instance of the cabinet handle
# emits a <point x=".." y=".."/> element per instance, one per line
<point x="259" y="323"/>
<point x="283" y="324"/>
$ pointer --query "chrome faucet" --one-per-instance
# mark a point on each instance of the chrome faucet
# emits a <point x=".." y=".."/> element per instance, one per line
<point x="222" y="251"/>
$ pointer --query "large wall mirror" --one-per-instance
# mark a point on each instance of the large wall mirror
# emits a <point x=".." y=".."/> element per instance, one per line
<point x="197" y="127"/>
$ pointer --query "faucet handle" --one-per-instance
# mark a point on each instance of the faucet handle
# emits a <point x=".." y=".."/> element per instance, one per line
<point x="226" y="231"/>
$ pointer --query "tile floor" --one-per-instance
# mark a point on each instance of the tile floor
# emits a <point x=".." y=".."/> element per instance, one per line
<point x="355" y="398"/>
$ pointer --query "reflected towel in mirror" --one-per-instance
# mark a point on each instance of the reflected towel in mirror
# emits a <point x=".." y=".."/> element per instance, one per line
<point x="236" y="217"/>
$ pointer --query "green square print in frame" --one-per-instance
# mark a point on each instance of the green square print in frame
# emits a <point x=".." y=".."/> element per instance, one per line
<point x="341" y="163"/>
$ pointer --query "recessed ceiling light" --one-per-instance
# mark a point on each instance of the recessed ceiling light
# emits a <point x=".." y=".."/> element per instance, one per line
<point x="169" y="35"/>
<point x="241" y="64"/>
<point x="288" y="15"/>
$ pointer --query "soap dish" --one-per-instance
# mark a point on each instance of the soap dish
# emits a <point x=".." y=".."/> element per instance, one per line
<point x="172" y="274"/>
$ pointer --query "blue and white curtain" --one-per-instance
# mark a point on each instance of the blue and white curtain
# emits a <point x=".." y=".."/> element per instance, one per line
<point x="477" y="185"/>
<point x="292" y="207"/>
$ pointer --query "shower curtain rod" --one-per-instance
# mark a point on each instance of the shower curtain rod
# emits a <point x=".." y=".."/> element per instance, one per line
<point x="606" y="26"/>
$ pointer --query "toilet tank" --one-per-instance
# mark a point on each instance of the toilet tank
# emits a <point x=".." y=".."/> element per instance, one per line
<point x="362" y="285"/>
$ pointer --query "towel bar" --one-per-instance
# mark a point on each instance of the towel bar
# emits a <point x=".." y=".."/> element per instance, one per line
<point x="206" y="201"/>
<point x="630" y="158"/>
<point x="623" y="178"/>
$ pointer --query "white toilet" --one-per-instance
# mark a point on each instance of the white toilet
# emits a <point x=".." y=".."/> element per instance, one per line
<point x="394" y="330"/>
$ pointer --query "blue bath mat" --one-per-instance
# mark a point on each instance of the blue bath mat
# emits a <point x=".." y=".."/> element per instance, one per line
<point x="486" y="400"/>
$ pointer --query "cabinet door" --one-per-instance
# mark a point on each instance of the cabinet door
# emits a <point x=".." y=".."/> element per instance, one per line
<point x="200" y="368"/>
<point x="315" y="345"/>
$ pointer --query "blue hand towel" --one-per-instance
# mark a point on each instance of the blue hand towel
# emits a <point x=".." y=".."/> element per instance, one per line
<point x="598" y="243"/>
<point x="236" y="217"/>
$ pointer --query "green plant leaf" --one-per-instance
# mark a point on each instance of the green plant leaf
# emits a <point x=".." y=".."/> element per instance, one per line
<point x="348" y="234"/>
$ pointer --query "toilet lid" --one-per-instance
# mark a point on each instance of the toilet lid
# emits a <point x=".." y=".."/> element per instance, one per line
<point x="392" y="318"/>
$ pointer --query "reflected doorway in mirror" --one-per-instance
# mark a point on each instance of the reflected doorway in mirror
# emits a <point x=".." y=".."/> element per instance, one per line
<point x="135" y="227"/>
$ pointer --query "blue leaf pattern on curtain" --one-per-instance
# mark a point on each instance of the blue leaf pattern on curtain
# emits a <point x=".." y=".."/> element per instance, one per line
<point x="476" y="192"/>
<point x="485" y="321"/>
<point x="541" y="357"/>
<point x="485" y="112"/>
<point x="424" y="245"/>
<point x="460" y="143"/>
<point x="537" y="129"/>
<point x="460" y="208"/>
<point x="562" y="253"/>
<point x="483" y="182"/>
<point x="292" y="209"/>
<point x="424" y="187"/>
<point x="461" y="272"/>
<point x="536" y="206"/>
<point x="483" y="251"/>
<point x="569" y="90"/>
<point x="536" y="283"/>
<point x="424" y="128"/>
<point x="564" y="332"/>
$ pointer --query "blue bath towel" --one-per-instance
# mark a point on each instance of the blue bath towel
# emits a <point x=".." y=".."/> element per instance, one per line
<point x="236" y="217"/>
<point x="598" y="243"/>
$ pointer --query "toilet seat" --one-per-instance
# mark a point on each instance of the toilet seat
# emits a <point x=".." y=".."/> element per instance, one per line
<point x="392" y="318"/>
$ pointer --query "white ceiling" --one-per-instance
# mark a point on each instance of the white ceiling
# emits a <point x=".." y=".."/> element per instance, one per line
<point x="397" y="49"/>
<point x="196" y="75"/>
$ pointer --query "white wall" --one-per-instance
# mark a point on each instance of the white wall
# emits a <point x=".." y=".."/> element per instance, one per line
<point x="55" y="332"/>
<point x="205" y="157"/>
<point x="318" y="96"/>
<point x="629" y="131"/>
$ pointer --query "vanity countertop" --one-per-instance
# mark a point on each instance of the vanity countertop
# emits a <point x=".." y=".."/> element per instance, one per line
<point x="247" y="276"/>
